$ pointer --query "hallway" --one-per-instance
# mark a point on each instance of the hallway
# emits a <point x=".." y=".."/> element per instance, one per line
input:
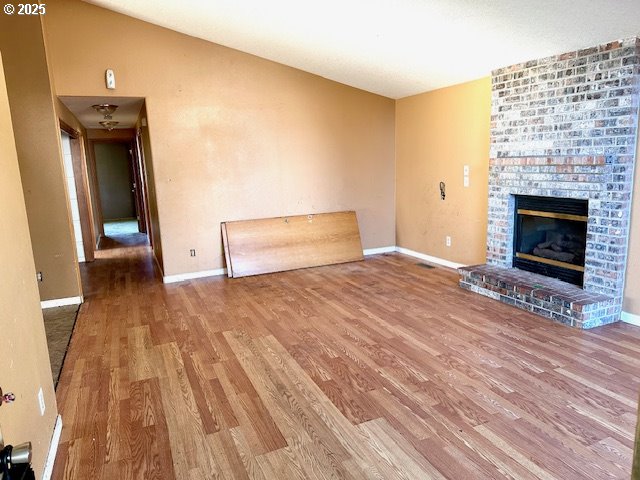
<point x="123" y="233"/>
<point x="121" y="227"/>
<point x="374" y="369"/>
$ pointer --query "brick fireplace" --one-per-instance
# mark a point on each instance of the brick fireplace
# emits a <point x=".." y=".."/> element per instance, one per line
<point x="564" y="127"/>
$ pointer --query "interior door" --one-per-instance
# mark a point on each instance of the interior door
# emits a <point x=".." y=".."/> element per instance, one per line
<point x="137" y="188"/>
<point x="142" y="185"/>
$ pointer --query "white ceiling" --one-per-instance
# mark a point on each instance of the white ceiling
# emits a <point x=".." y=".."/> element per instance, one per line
<point x="394" y="48"/>
<point x="126" y="114"/>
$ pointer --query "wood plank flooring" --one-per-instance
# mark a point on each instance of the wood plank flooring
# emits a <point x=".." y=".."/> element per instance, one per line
<point x="376" y="369"/>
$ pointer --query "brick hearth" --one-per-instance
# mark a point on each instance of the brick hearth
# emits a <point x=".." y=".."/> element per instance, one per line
<point x="565" y="127"/>
<point x="548" y="297"/>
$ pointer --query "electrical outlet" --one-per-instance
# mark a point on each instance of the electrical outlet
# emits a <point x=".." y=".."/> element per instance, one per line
<point x="447" y="241"/>
<point x="41" y="401"/>
<point x="192" y="252"/>
<point x="466" y="181"/>
<point x="39" y="276"/>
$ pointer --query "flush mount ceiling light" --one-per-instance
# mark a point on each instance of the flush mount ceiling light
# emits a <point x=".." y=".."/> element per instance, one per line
<point x="109" y="125"/>
<point x="105" y="109"/>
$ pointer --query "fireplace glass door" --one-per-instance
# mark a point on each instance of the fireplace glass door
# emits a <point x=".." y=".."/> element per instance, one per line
<point x="550" y="237"/>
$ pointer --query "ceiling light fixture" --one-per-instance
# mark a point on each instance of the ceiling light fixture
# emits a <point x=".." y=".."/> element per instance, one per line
<point x="109" y="125"/>
<point x="105" y="109"/>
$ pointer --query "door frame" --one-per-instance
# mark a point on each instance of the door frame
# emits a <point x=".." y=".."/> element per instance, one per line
<point x="78" y="160"/>
<point x="144" y="190"/>
<point x="138" y="194"/>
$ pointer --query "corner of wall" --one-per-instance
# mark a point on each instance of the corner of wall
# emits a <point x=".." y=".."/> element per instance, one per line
<point x="37" y="139"/>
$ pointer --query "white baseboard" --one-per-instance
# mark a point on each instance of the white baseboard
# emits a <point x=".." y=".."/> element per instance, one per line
<point x="53" y="449"/>
<point x="181" y="277"/>
<point x="631" y="318"/>
<point x="378" y="250"/>
<point x="429" y="258"/>
<point x="61" y="302"/>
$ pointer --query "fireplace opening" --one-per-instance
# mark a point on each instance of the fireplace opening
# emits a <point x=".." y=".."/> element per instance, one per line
<point x="550" y="237"/>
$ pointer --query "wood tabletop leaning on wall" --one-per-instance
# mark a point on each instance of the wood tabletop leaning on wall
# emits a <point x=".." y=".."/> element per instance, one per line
<point x="269" y="245"/>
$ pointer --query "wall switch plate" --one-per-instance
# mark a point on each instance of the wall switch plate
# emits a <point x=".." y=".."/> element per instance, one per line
<point x="41" y="401"/>
<point x="110" y="79"/>
<point x="192" y="252"/>
<point x="447" y="241"/>
<point x="39" y="276"/>
<point x="466" y="170"/>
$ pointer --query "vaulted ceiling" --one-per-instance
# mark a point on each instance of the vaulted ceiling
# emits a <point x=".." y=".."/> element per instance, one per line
<point x="394" y="48"/>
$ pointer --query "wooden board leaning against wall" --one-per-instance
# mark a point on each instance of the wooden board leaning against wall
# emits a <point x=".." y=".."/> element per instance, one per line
<point x="254" y="247"/>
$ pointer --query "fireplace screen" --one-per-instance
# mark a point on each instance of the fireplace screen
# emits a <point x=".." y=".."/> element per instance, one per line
<point x="550" y="237"/>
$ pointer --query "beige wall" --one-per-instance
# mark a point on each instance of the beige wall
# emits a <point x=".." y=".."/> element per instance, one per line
<point x="37" y="137"/>
<point x="25" y="357"/>
<point x="233" y="136"/>
<point x="437" y="133"/>
<point x="632" y="281"/>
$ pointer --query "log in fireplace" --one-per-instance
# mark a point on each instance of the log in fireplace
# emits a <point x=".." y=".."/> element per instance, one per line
<point x="551" y="236"/>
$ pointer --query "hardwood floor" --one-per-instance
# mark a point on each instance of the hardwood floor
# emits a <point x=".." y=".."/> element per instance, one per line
<point x="376" y="369"/>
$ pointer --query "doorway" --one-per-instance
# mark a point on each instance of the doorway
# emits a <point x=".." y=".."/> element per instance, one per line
<point x="121" y="193"/>
<point x="75" y="176"/>
<point x="115" y="170"/>
<point x="65" y="138"/>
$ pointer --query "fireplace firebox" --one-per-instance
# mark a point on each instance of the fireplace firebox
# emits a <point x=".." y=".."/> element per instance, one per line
<point x="550" y="237"/>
